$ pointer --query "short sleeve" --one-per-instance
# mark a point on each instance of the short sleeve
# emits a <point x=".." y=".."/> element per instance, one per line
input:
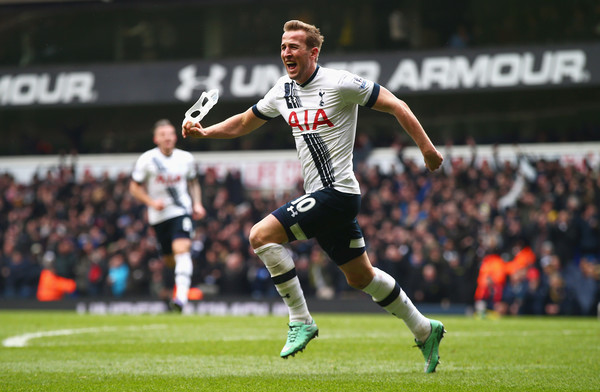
<point x="355" y="89"/>
<point x="192" y="172"/>
<point x="266" y="108"/>
<point x="139" y="170"/>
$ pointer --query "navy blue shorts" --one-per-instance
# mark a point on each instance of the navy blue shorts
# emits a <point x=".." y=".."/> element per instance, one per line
<point x="329" y="216"/>
<point x="171" y="229"/>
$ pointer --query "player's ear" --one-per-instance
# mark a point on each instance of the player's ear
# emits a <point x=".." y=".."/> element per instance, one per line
<point x="314" y="52"/>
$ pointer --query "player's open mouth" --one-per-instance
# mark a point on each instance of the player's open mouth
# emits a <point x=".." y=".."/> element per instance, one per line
<point x="291" y="66"/>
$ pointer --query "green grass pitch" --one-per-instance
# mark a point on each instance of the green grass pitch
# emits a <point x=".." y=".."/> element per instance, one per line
<point x="64" y="351"/>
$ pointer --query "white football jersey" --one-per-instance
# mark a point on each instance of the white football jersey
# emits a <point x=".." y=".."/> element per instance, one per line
<point x="323" y="113"/>
<point x="166" y="179"/>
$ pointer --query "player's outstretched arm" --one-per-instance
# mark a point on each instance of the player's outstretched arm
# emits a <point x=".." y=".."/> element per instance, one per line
<point x="235" y="126"/>
<point x="389" y="103"/>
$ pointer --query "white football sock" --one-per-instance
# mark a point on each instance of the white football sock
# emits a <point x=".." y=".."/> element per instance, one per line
<point x="279" y="262"/>
<point x="183" y="276"/>
<point x="387" y="293"/>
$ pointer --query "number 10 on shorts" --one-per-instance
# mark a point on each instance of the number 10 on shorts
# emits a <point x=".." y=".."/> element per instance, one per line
<point x="301" y="204"/>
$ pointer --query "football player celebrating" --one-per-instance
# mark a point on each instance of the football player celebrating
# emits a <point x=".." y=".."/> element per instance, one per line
<point x="321" y="107"/>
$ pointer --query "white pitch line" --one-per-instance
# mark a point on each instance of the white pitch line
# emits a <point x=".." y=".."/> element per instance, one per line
<point x="22" y="340"/>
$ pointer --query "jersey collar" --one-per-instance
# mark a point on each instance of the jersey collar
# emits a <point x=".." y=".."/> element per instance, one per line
<point x="311" y="77"/>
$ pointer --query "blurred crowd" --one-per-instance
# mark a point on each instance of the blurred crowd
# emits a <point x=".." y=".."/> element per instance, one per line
<point x="431" y="231"/>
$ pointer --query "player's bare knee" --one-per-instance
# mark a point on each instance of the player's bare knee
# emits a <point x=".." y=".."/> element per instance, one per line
<point x="358" y="282"/>
<point x="257" y="237"/>
<point x="181" y="245"/>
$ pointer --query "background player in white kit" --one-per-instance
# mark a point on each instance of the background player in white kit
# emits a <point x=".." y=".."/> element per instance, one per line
<point x="321" y="106"/>
<point x="165" y="179"/>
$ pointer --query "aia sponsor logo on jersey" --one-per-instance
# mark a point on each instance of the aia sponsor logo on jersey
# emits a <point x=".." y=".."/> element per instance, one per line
<point x="306" y="120"/>
<point x="167" y="179"/>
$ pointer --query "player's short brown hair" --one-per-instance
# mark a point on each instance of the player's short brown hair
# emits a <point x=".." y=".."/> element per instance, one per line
<point x="314" y="39"/>
<point x="161" y="123"/>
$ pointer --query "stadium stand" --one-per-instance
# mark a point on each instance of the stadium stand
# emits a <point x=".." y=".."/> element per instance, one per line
<point x="431" y="231"/>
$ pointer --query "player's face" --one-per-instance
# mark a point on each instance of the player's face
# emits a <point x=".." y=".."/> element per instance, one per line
<point x="165" y="138"/>
<point x="299" y="60"/>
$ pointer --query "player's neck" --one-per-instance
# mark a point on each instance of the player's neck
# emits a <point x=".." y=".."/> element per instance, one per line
<point x="307" y="75"/>
<point x="166" y="152"/>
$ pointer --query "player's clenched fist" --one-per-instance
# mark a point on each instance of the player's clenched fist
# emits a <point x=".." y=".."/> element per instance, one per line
<point x="433" y="159"/>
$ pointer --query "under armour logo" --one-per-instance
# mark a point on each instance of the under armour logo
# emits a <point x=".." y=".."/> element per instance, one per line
<point x="321" y="93"/>
<point x="190" y="81"/>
